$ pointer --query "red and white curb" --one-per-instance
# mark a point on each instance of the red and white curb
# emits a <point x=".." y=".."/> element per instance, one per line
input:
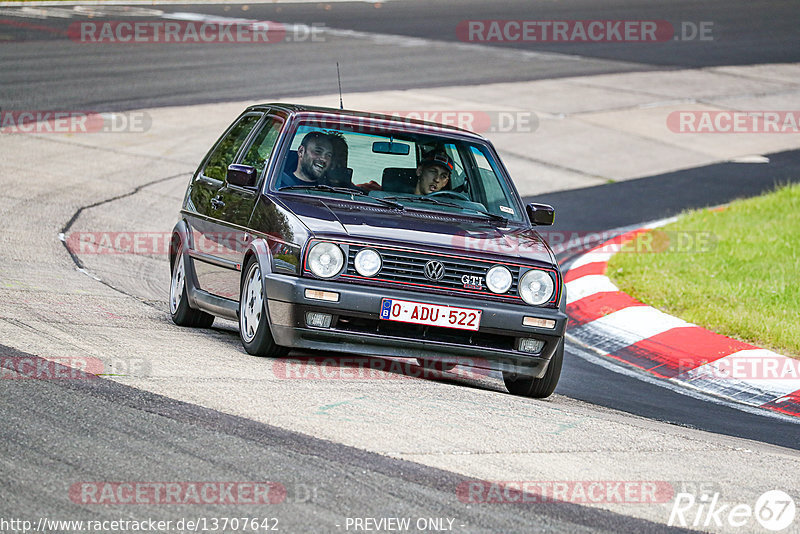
<point x="614" y="325"/>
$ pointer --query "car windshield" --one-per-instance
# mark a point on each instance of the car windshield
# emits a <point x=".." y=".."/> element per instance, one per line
<point x="411" y="170"/>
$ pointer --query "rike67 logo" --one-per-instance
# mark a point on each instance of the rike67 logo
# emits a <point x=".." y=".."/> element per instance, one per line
<point x="774" y="510"/>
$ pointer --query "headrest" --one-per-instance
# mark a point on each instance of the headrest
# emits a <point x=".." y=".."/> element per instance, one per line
<point x="399" y="180"/>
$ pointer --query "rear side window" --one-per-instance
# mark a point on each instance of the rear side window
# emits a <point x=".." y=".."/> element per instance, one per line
<point x="217" y="164"/>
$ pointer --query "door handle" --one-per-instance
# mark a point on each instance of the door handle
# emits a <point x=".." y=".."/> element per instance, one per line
<point x="217" y="203"/>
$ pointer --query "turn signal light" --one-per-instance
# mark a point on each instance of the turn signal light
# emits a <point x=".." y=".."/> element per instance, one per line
<point x="541" y="323"/>
<point x="329" y="296"/>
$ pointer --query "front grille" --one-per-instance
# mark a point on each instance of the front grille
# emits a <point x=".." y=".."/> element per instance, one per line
<point x="408" y="267"/>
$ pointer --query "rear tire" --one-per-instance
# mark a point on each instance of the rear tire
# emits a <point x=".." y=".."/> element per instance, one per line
<point x="254" y="328"/>
<point x="182" y="313"/>
<point x="537" y="388"/>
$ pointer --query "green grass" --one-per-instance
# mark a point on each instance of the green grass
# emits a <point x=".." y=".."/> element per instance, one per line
<point x="735" y="271"/>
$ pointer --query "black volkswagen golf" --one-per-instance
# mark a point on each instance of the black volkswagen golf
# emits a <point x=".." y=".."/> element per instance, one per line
<point x="320" y="228"/>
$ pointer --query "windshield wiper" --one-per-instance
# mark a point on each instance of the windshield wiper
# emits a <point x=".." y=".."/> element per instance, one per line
<point x="322" y="187"/>
<point x="345" y="191"/>
<point x="492" y="216"/>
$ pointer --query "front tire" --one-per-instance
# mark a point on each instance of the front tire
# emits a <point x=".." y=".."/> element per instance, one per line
<point x="182" y="313"/>
<point x="537" y="388"/>
<point x="253" y="321"/>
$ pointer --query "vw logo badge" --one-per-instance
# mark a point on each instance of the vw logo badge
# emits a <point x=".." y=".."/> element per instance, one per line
<point x="434" y="270"/>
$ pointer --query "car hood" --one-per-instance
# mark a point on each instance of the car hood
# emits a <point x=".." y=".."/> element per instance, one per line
<point x="419" y="229"/>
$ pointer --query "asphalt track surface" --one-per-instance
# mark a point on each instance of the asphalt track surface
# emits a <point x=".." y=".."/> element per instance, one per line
<point x="742" y="32"/>
<point x="113" y="434"/>
<point x="57" y="431"/>
<point x="40" y="71"/>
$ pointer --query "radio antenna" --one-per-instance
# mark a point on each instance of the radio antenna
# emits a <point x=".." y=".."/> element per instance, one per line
<point x="339" y="77"/>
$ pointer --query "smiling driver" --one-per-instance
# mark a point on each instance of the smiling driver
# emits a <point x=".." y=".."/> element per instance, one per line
<point x="314" y="156"/>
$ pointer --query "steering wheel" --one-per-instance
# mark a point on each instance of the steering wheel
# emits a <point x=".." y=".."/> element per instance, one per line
<point x="448" y="193"/>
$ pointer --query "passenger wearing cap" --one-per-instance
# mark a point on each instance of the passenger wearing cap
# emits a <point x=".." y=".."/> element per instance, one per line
<point x="433" y="174"/>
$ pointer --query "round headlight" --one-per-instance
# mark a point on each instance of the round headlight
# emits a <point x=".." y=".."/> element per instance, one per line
<point x="536" y="287"/>
<point x="498" y="279"/>
<point x="368" y="262"/>
<point x="325" y="260"/>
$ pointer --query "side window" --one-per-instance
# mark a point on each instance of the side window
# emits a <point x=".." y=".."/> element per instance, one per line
<point x="217" y="165"/>
<point x="498" y="200"/>
<point x="264" y="142"/>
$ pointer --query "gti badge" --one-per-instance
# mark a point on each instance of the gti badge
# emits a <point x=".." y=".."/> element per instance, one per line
<point x="472" y="282"/>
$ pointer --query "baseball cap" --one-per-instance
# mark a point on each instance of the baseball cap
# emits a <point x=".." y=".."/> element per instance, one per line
<point x="439" y="159"/>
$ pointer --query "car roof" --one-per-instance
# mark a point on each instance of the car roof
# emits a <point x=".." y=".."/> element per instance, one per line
<point x="362" y="115"/>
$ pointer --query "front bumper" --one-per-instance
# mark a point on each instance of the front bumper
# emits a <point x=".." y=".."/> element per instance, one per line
<point x="357" y="328"/>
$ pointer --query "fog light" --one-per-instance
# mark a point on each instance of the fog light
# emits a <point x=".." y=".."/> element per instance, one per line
<point x="541" y="323"/>
<point x="329" y="296"/>
<point x="530" y="345"/>
<point x="319" y="320"/>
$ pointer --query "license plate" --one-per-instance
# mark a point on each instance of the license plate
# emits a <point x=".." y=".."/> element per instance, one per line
<point x="406" y="311"/>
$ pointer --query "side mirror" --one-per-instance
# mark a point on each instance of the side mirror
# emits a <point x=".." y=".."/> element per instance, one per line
<point x="541" y="214"/>
<point x="241" y="175"/>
